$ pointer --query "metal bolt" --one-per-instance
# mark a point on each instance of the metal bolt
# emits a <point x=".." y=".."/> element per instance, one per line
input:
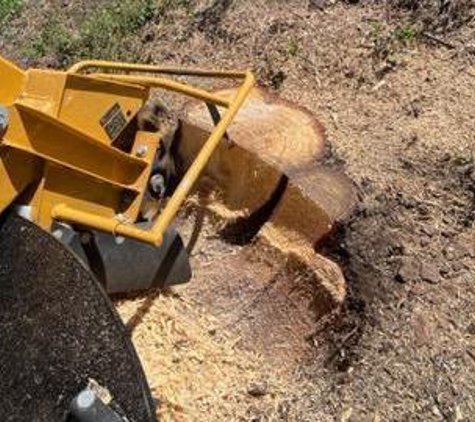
<point x="24" y="211"/>
<point x="121" y="217"/>
<point x="85" y="238"/>
<point x="119" y="240"/>
<point x="3" y="119"/>
<point x="87" y="407"/>
<point x="158" y="185"/>
<point x="85" y="400"/>
<point x="142" y="151"/>
<point x="58" y="234"/>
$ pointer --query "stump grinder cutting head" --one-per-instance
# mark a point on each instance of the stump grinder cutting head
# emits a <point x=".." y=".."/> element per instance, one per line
<point x="92" y="175"/>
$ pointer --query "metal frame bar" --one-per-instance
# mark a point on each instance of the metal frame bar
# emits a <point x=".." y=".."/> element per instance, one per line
<point x="48" y="143"/>
<point x="154" y="236"/>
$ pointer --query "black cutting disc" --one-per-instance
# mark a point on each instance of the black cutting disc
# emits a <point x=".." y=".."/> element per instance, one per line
<point x="58" y="330"/>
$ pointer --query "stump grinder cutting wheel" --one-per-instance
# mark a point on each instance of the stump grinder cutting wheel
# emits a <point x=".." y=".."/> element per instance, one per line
<point x="92" y="175"/>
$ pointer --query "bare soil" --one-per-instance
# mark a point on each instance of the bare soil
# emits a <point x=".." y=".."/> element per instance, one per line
<point x="243" y="340"/>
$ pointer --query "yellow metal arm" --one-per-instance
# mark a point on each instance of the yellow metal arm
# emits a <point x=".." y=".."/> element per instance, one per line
<point x="154" y="236"/>
<point x="171" y="85"/>
<point x="163" y="70"/>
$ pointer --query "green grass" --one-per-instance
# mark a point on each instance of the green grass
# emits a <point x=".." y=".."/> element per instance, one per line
<point x="388" y="40"/>
<point x="9" y="9"/>
<point x="54" y="39"/>
<point x="105" y="33"/>
<point x="101" y="35"/>
<point x="292" y="47"/>
<point x="405" y="33"/>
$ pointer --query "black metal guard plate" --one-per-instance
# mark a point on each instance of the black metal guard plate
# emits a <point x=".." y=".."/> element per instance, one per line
<point x="58" y="329"/>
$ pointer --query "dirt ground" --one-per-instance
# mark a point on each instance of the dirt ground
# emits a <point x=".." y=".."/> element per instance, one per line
<point x="242" y="341"/>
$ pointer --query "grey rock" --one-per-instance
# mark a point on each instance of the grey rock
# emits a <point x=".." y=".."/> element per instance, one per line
<point x="317" y="4"/>
<point x="257" y="388"/>
<point x="445" y="270"/>
<point x="429" y="230"/>
<point x="448" y="233"/>
<point x="471" y="329"/>
<point x="425" y="241"/>
<point x="409" y="270"/>
<point x="456" y="251"/>
<point x="430" y="273"/>
<point x="457" y="266"/>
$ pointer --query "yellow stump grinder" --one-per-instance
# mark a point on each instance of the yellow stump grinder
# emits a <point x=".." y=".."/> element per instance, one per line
<point x="93" y="172"/>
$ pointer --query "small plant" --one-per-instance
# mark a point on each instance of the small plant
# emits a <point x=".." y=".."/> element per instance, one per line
<point x="53" y="40"/>
<point x="106" y="33"/>
<point x="292" y="47"/>
<point x="405" y="33"/>
<point x="102" y="34"/>
<point x="387" y="41"/>
<point x="381" y="40"/>
<point x="9" y="9"/>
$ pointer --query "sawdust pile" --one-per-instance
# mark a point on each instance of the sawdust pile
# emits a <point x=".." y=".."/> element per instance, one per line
<point x="195" y="372"/>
